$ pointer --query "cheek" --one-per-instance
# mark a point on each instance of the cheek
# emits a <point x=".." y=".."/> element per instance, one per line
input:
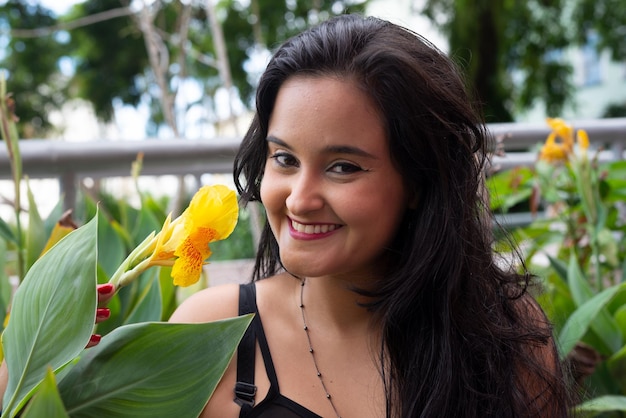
<point x="271" y="194"/>
<point x="383" y="212"/>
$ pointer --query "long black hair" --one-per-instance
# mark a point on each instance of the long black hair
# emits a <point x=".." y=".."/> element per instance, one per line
<point x="460" y="334"/>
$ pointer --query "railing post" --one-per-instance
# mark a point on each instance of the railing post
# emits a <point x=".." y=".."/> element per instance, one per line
<point x="67" y="186"/>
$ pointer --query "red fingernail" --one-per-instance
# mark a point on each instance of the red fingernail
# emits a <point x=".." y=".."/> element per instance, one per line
<point x="105" y="289"/>
<point x="94" y="340"/>
<point x="103" y="313"/>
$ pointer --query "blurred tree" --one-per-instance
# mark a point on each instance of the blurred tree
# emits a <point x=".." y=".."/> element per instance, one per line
<point x="513" y="50"/>
<point x="108" y="56"/>
<point x="30" y="62"/>
<point x="145" y="53"/>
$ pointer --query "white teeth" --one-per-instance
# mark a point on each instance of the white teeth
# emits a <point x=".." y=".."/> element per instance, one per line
<point x="312" y="229"/>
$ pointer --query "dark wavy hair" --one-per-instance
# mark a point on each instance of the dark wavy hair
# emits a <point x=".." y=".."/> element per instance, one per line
<point x="460" y="334"/>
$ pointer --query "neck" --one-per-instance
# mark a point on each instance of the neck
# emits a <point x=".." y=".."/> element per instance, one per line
<point x="332" y="302"/>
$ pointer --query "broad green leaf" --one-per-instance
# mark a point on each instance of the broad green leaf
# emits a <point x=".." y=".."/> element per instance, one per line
<point x="604" y="403"/>
<point x="122" y="233"/>
<point x="603" y="324"/>
<point x="578" y="284"/>
<point x="152" y="370"/>
<point x="145" y="224"/>
<point x="36" y="237"/>
<point x="52" y="314"/>
<point x="579" y="322"/>
<point x="147" y="307"/>
<point x="168" y="293"/>
<point x="112" y="246"/>
<point x="46" y="402"/>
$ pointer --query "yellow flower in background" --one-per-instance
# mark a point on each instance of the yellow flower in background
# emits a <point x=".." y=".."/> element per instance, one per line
<point x="553" y="151"/>
<point x="563" y="130"/>
<point x="559" y="145"/>
<point x="184" y="242"/>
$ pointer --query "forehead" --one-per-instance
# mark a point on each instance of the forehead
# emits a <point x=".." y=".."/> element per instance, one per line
<point x="325" y="107"/>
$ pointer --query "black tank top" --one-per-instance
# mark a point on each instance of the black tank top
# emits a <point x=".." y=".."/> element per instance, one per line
<point x="274" y="405"/>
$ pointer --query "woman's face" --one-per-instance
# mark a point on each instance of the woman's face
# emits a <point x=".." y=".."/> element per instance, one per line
<point x="333" y="198"/>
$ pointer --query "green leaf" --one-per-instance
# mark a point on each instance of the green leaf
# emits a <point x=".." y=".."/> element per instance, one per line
<point x="52" y="315"/>
<point x="616" y="366"/>
<point x="578" y="284"/>
<point x="168" y="292"/>
<point x="6" y="232"/>
<point x="147" y="307"/>
<point x="559" y="267"/>
<point x="510" y="187"/>
<point x="152" y="370"/>
<point x="579" y="322"/>
<point x="603" y="323"/>
<point x="603" y="404"/>
<point x="46" y="402"/>
<point x="112" y="244"/>
<point x="36" y="234"/>
<point x="145" y="223"/>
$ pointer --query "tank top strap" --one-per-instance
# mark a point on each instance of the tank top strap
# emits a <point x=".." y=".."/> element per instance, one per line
<point x="245" y="389"/>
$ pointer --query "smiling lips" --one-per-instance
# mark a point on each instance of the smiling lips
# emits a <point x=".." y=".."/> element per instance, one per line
<point x="313" y="229"/>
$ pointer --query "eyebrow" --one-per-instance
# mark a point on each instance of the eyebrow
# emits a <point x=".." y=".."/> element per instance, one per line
<point x="333" y="149"/>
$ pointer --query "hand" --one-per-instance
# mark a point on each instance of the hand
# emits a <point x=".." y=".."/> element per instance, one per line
<point x="105" y="293"/>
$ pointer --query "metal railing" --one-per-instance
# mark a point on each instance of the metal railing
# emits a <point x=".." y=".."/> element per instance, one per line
<point x="70" y="162"/>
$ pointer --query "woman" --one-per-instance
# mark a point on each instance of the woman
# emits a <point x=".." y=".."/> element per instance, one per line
<point x="380" y="294"/>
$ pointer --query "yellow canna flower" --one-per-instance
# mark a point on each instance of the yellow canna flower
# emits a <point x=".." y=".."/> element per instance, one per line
<point x="211" y="216"/>
<point x="552" y="151"/>
<point x="559" y="146"/>
<point x="184" y="242"/>
<point x="563" y="130"/>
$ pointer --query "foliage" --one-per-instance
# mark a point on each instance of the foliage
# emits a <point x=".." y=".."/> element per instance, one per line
<point x="280" y="20"/>
<point x="576" y="244"/>
<point x="114" y="47"/>
<point x="109" y="59"/>
<point x="36" y="87"/>
<point x="513" y="50"/>
<point x="143" y="366"/>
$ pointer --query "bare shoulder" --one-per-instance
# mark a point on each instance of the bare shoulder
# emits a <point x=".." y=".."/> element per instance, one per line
<point x="210" y="304"/>
<point x="539" y="366"/>
<point x="530" y="310"/>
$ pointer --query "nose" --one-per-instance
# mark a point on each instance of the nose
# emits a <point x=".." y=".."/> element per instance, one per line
<point x="306" y="193"/>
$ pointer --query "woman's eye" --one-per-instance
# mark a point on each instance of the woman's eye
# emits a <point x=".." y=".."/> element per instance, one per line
<point x="345" y="168"/>
<point x="284" y="159"/>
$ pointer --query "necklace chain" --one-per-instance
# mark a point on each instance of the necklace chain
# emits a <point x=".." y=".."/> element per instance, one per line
<point x="308" y="337"/>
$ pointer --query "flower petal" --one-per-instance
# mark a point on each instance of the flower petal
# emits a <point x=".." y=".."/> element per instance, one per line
<point x="213" y="207"/>
<point x="188" y="267"/>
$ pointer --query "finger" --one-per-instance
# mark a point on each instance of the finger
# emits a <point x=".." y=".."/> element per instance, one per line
<point x="93" y="340"/>
<point x="102" y="314"/>
<point x="105" y="292"/>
